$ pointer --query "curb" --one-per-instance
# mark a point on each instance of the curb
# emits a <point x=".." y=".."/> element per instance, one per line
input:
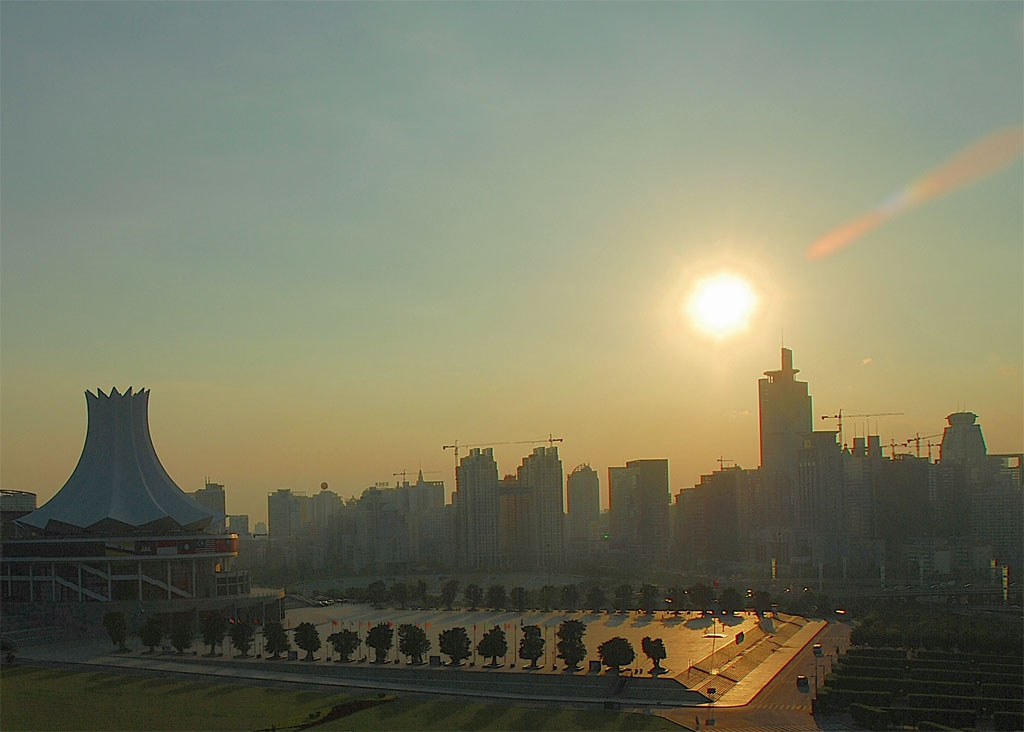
<point x="782" y="668"/>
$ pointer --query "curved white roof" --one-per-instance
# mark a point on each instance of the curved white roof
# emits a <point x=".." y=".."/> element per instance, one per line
<point x="119" y="482"/>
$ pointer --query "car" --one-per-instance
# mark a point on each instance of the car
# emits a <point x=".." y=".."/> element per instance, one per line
<point x="817" y="649"/>
<point x="801" y="682"/>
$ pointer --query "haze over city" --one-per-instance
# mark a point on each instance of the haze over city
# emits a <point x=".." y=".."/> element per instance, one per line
<point x="332" y="238"/>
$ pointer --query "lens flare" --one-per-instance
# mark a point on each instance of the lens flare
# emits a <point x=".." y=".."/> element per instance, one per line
<point x="983" y="158"/>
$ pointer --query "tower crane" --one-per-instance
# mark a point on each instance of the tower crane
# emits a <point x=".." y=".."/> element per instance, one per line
<point x="550" y="439"/>
<point x="422" y="472"/>
<point x="916" y="439"/>
<point x="840" y="416"/>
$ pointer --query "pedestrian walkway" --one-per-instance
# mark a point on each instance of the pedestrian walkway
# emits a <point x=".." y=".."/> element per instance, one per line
<point x="751" y="684"/>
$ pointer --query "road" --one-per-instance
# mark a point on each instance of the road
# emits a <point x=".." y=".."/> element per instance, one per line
<point x="780" y="706"/>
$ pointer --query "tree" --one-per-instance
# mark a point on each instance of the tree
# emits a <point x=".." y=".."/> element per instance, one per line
<point x="701" y="596"/>
<point x="492" y="645"/>
<point x="648" y="598"/>
<point x="571" y="648"/>
<point x="420" y="593"/>
<point x="654" y="649"/>
<point x="151" y="633"/>
<point x="448" y="592"/>
<point x="214" y="628"/>
<point x="570" y="597"/>
<point x="496" y="597"/>
<point x="531" y="646"/>
<point x="520" y="598"/>
<point x="345" y="643"/>
<point x="677" y="598"/>
<point x="731" y="600"/>
<point x="597" y="599"/>
<point x="277" y="641"/>
<point x="762" y="602"/>
<point x="399" y="594"/>
<point x="242" y="635"/>
<point x="624" y="597"/>
<point x="377" y="593"/>
<point x="308" y="639"/>
<point x="181" y="632"/>
<point x="413" y="642"/>
<point x="546" y="597"/>
<point x="615" y="653"/>
<point x="380" y="638"/>
<point x="474" y="595"/>
<point x="117" y="628"/>
<point x="454" y="643"/>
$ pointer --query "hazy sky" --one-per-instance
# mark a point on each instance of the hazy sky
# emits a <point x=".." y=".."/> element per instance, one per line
<point x="333" y="237"/>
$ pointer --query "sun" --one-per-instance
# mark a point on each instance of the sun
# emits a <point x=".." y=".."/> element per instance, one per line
<point x="721" y="305"/>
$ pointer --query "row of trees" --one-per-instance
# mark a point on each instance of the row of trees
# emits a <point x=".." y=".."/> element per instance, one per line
<point x="570" y="597"/>
<point x="412" y="641"/>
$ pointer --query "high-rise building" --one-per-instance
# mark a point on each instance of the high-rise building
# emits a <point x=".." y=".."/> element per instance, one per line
<point x="476" y="507"/>
<point x="784" y="416"/>
<point x="515" y="538"/>
<point x="239" y="524"/>
<point x="583" y="494"/>
<point x="639" y="506"/>
<point x="422" y="503"/>
<point x="541" y="474"/>
<point x="211" y="496"/>
<point x="323" y="506"/>
<point x="287" y="512"/>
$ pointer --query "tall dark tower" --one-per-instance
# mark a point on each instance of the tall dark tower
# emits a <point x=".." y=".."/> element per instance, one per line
<point x="784" y="414"/>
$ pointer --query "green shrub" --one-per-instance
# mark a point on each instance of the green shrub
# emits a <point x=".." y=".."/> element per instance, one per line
<point x="1008" y="721"/>
<point x="876" y="653"/>
<point x="841" y="699"/>
<point x="871" y="718"/>
<point x="932" y="701"/>
<point x="911" y="717"/>
<point x="1003" y="691"/>
<point x="926" y="725"/>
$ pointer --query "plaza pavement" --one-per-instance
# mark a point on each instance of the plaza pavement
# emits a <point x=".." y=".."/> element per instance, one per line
<point x="684" y="637"/>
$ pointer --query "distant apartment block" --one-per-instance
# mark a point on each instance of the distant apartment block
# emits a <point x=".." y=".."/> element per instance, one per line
<point x="476" y="509"/>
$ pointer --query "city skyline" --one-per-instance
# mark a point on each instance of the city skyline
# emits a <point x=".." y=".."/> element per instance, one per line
<point x="332" y="238"/>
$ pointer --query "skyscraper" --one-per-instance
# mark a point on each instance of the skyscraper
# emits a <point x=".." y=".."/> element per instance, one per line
<point x="784" y="416"/>
<point x="583" y="493"/>
<point x="476" y="509"/>
<point x="541" y="475"/>
<point x="639" y="506"/>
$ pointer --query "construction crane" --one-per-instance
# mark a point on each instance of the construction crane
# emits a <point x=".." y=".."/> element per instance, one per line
<point x="840" y="416"/>
<point x="723" y="460"/>
<point x="550" y="439"/>
<point x="422" y="472"/>
<point x="916" y="439"/>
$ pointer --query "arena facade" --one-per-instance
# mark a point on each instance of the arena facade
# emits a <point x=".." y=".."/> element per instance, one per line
<point x="122" y="533"/>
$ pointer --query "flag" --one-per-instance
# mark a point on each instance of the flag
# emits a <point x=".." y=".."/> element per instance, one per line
<point x="427" y="625"/>
<point x="334" y="622"/>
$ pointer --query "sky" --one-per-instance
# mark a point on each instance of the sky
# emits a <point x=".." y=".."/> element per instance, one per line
<point x="331" y="238"/>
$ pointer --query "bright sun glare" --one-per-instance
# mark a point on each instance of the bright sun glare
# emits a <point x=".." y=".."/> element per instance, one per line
<point x="721" y="305"/>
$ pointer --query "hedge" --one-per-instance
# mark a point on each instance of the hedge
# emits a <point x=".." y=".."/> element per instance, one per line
<point x="969" y="657"/>
<point x="933" y="701"/>
<point x="868" y="717"/>
<point x="912" y="716"/>
<point x="1008" y="721"/>
<point x="1003" y="691"/>
<point x="876" y="652"/>
<point x="839" y="700"/>
<point x="936" y="726"/>
<point x="964" y="675"/>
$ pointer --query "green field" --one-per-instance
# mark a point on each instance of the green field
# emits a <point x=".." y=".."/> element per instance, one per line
<point x="47" y="699"/>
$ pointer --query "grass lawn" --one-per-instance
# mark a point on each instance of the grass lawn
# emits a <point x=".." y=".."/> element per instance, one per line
<point x="408" y="714"/>
<point x="48" y="699"/>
